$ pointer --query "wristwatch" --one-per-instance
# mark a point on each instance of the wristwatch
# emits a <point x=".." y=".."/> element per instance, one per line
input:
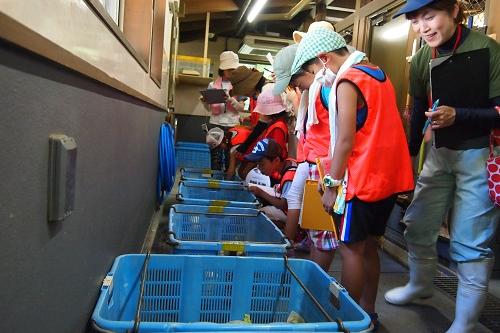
<point x="328" y="181"/>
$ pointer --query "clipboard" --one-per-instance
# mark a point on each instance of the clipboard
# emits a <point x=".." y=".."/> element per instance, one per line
<point x="460" y="80"/>
<point x="313" y="215"/>
<point x="214" y="96"/>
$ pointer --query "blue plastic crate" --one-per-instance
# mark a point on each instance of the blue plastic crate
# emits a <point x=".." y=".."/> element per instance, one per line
<point x="198" y="173"/>
<point x="192" y="155"/>
<point x="216" y="193"/>
<point x="205" y="174"/>
<point x="204" y="293"/>
<point x="214" y="230"/>
<point x="192" y="144"/>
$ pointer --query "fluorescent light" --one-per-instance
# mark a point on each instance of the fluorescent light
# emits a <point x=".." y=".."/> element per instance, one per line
<point x="257" y="7"/>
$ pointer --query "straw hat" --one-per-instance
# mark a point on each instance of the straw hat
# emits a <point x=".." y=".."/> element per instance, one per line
<point x="244" y="80"/>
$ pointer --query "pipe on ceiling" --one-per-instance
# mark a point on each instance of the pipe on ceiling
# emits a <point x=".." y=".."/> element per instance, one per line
<point x="284" y="16"/>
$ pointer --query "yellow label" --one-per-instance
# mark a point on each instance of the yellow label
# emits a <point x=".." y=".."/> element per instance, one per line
<point x="206" y="173"/>
<point x="216" y="209"/>
<point x="233" y="246"/>
<point x="246" y="318"/>
<point x="213" y="184"/>
<point x="222" y="203"/>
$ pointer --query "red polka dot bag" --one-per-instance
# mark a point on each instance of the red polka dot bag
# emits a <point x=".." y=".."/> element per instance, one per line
<point x="493" y="168"/>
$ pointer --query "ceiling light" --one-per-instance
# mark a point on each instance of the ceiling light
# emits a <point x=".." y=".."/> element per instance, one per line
<point x="257" y="7"/>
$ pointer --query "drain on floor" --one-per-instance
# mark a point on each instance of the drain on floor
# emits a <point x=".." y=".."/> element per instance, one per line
<point x="490" y="316"/>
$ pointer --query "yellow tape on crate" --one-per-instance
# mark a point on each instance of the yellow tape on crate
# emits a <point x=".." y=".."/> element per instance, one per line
<point x="213" y="184"/>
<point x="233" y="247"/>
<point x="216" y="209"/>
<point x="222" y="203"/>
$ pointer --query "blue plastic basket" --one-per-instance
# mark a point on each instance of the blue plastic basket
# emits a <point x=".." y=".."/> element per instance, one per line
<point x="192" y="144"/>
<point x="205" y="174"/>
<point x="217" y="230"/>
<point x="216" y="193"/>
<point x="198" y="173"/>
<point x="192" y="155"/>
<point x="205" y="293"/>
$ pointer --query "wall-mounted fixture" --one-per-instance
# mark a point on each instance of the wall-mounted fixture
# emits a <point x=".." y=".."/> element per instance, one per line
<point x="62" y="176"/>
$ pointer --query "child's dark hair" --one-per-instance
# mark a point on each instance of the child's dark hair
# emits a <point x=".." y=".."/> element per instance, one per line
<point x="221" y="72"/>
<point x="260" y="84"/>
<point x="282" y="114"/>
<point x="445" y="5"/>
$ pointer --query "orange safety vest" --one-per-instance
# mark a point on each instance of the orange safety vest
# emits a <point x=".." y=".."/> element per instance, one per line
<point x="280" y="124"/>
<point x="239" y="134"/>
<point x="379" y="165"/>
<point x="317" y="137"/>
<point x="288" y="173"/>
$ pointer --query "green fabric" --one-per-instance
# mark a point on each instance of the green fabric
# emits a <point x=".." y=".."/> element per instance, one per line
<point x="313" y="43"/>
<point x="419" y="71"/>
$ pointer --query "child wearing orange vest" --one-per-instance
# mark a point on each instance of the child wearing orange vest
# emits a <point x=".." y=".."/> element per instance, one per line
<point x="367" y="140"/>
<point x="267" y="153"/>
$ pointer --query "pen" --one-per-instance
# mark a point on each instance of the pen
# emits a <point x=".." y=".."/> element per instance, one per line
<point x="428" y="121"/>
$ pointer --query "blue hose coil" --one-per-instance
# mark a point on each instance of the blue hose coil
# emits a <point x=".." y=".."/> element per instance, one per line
<point x="166" y="162"/>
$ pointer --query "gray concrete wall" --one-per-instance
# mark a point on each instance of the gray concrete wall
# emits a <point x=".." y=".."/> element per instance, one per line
<point x="50" y="274"/>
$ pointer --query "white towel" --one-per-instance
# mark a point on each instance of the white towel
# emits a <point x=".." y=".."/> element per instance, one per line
<point x="353" y="59"/>
<point x="301" y="114"/>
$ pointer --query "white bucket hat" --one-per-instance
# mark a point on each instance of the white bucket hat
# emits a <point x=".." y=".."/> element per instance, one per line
<point x="229" y="60"/>
<point x="298" y="35"/>
<point x="214" y="137"/>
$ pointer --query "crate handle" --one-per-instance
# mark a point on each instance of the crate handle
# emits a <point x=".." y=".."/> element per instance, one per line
<point x="287" y="242"/>
<point x="172" y="242"/>
<point x="314" y="300"/>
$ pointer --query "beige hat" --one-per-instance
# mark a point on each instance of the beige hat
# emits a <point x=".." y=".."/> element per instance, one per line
<point x="214" y="137"/>
<point x="298" y="35"/>
<point x="229" y="60"/>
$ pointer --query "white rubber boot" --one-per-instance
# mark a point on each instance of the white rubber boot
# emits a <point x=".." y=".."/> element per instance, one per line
<point x="472" y="290"/>
<point x="422" y="263"/>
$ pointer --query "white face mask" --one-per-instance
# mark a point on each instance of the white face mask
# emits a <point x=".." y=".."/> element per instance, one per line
<point x="325" y="76"/>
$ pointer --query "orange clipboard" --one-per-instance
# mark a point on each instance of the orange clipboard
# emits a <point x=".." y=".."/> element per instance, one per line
<point x="312" y="214"/>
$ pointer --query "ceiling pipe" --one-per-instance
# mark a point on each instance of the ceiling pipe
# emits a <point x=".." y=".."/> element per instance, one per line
<point x="243" y="12"/>
<point x="284" y="16"/>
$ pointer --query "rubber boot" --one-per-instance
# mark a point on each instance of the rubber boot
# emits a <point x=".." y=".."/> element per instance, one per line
<point x="472" y="290"/>
<point x="422" y="263"/>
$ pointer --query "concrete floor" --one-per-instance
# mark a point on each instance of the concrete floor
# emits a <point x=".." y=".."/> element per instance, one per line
<point x="433" y="315"/>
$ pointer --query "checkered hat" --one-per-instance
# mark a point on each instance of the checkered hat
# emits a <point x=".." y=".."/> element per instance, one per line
<point x="314" y="42"/>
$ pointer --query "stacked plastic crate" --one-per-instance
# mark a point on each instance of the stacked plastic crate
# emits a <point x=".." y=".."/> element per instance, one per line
<point x="221" y="277"/>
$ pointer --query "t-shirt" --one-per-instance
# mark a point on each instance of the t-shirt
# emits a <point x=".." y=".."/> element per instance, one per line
<point x="455" y="137"/>
<point x="419" y="71"/>
<point x="228" y="119"/>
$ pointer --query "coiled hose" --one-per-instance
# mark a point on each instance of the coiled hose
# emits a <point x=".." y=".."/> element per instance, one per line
<point x="166" y="162"/>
